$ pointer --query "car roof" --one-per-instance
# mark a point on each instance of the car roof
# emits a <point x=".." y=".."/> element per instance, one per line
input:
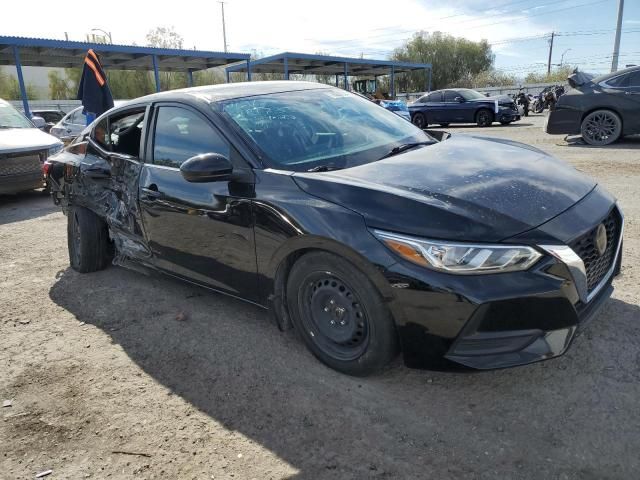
<point x="607" y="76"/>
<point x="226" y="91"/>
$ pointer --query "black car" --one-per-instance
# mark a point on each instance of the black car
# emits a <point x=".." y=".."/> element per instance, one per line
<point x="346" y="221"/>
<point x="462" y="106"/>
<point x="601" y="109"/>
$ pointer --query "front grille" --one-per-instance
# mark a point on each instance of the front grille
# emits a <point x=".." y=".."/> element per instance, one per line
<point x="595" y="264"/>
<point x="21" y="163"/>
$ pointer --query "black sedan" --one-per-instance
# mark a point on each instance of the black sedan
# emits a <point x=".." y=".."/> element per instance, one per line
<point x="462" y="106"/>
<point x="346" y="221"/>
<point x="601" y="109"/>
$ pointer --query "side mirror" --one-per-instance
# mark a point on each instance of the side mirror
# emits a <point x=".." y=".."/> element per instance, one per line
<point x="207" y="167"/>
<point x="38" y="122"/>
<point x="459" y="99"/>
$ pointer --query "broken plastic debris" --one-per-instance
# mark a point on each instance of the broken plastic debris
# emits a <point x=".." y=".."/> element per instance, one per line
<point x="7" y="403"/>
<point x="44" y="474"/>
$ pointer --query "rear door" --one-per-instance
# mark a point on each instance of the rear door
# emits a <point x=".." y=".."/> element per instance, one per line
<point x="623" y="94"/>
<point x="199" y="231"/>
<point x="434" y="107"/>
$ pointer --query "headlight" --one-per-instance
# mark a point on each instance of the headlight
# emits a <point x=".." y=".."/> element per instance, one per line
<point x="460" y="258"/>
<point x="55" y="149"/>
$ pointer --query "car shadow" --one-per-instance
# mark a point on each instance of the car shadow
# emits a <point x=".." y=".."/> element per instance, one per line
<point x="229" y="361"/>
<point x="25" y="206"/>
<point x="625" y="143"/>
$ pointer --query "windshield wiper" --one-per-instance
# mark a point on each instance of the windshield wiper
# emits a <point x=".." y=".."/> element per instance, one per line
<point x="404" y="147"/>
<point x="324" y="168"/>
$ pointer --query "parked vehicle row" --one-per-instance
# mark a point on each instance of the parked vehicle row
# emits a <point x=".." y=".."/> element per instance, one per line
<point x="352" y="225"/>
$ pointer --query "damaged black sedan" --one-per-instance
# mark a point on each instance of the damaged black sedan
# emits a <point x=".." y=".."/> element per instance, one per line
<point x="601" y="109"/>
<point x="353" y="226"/>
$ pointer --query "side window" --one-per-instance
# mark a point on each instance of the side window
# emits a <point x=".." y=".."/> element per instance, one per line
<point x="423" y="99"/>
<point x="435" y="97"/>
<point x="450" y="96"/>
<point x="125" y="133"/>
<point x="181" y="134"/>
<point x="618" y="82"/>
<point x="78" y="118"/>
<point x="634" y="79"/>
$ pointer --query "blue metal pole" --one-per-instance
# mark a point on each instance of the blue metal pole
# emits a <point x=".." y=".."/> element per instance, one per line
<point x="346" y="80"/>
<point x="286" y="68"/>
<point x="156" y="72"/>
<point x="190" y="78"/>
<point x="393" y="82"/>
<point x="337" y="79"/>
<point x="248" y="70"/>
<point x="228" y="76"/>
<point x="429" y="80"/>
<point x="23" y="90"/>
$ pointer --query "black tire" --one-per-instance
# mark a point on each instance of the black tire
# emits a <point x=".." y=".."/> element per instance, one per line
<point x="445" y="125"/>
<point x="340" y="315"/>
<point x="484" y="117"/>
<point x="87" y="240"/>
<point x="419" y="120"/>
<point x="601" y="127"/>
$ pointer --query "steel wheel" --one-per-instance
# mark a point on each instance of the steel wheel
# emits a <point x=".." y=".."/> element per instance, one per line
<point x="601" y="127"/>
<point x="419" y="120"/>
<point x="334" y="316"/>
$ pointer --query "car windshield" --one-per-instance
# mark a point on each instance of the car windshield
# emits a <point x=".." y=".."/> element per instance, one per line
<point x="468" y="94"/>
<point x="317" y="128"/>
<point x="11" y="118"/>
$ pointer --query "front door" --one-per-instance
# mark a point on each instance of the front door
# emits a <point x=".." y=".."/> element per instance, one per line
<point x="199" y="231"/>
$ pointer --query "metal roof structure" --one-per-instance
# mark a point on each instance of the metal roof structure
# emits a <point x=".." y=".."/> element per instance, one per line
<point x="305" y="63"/>
<point x="43" y="52"/>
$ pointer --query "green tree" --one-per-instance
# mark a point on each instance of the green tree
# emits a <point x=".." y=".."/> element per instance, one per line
<point x="454" y="59"/>
<point x="60" y="88"/>
<point x="488" y="78"/>
<point x="559" y="75"/>
<point x="167" y="37"/>
<point x="126" y="84"/>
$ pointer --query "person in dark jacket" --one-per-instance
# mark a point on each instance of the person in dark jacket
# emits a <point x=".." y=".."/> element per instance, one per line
<point x="93" y="89"/>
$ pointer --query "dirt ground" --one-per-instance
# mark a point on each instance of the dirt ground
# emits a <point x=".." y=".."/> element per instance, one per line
<point x="106" y="382"/>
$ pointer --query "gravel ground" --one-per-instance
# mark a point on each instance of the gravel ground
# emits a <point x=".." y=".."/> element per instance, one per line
<point x="120" y="375"/>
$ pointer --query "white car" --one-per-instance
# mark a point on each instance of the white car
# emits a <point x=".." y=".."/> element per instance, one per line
<point x="23" y="150"/>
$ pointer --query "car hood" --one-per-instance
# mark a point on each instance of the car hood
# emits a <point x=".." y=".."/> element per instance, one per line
<point x="464" y="188"/>
<point x="22" y="139"/>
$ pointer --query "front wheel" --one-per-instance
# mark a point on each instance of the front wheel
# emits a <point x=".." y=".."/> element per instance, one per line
<point x="601" y="127"/>
<point x="484" y="118"/>
<point x="340" y="315"/>
<point x="419" y="120"/>
<point x="87" y="240"/>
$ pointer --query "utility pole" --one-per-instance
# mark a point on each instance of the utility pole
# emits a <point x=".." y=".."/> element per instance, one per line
<point x="224" y="29"/>
<point x="553" y="34"/>
<point x="616" y="45"/>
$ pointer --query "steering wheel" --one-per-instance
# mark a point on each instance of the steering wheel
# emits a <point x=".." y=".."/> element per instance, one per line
<point x="126" y="130"/>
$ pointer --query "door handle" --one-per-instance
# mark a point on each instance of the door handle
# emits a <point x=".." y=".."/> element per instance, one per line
<point x="151" y="192"/>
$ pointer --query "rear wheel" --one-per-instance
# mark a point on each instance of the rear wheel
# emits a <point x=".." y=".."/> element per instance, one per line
<point x="419" y="120"/>
<point x="484" y="117"/>
<point x="340" y="315"/>
<point x="601" y="127"/>
<point x="87" y="240"/>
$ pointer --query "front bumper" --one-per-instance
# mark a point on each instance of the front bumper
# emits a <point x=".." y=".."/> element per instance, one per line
<point x="21" y="183"/>
<point x="507" y="115"/>
<point x="494" y="321"/>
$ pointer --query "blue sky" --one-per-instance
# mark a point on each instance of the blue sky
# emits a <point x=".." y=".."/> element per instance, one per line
<point x="371" y="28"/>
